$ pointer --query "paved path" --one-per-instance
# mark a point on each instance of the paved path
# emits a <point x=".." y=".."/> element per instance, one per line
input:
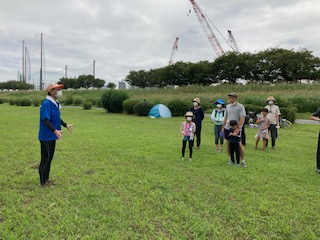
<point x="304" y="121"/>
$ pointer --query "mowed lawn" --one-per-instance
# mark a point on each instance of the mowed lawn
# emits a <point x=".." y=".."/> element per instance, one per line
<point x="121" y="177"/>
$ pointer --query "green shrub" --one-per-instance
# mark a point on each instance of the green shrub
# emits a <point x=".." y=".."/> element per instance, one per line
<point x="288" y="113"/>
<point x="77" y="101"/>
<point x="24" y="102"/>
<point x="305" y="104"/>
<point x="142" y="108"/>
<point x="206" y="103"/>
<point x="253" y="108"/>
<point x="112" y="100"/>
<point x="36" y="102"/>
<point x="129" y="104"/>
<point x="68" y="100"/>
<point x="178" y="107"/>
<point x="87" y="105"/>
<point x="254" y="101"/>
<point x="1" y="101"/>
<point x="12" y="101"/>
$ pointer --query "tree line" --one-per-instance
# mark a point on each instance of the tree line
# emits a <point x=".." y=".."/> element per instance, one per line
<point x="83" y="81"/>
<point x="272" y="65"/>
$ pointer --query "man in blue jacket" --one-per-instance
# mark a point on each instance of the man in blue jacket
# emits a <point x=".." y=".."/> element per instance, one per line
<point x="50" y="130"/>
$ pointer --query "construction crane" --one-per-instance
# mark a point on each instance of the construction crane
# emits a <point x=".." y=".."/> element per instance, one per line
<point x="232" y="42"/>
<point x="207" y="29"/>
<point x="174" y="51"/>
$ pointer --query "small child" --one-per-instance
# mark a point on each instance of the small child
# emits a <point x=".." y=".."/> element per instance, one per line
<point x="264" y="124"/>
<point x="187" y="129"/>
<point x="234" y="140"/>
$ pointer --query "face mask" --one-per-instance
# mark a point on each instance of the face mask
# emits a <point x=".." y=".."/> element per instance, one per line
<point x="219" y="105"/>
<point x="195" y="104"/>
<point x="59" y="94"/>
<point x="189" y="119"/>
<point x="233" y="103"/>
<point x="270" y="102"/>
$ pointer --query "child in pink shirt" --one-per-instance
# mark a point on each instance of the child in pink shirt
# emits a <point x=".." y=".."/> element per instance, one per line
<point x="187" y="129"/>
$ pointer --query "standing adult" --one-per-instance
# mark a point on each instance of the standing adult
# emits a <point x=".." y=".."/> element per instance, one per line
<point x="274" y="116"/>
<point x="217" y="117"/>
<point x="50" y="130"/>
<point x="234" y="111"/>
<point x="316" y="116"/>
<point x="198" y="117"/>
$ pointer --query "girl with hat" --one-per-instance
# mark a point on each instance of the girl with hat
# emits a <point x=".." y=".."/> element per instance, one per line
<point x="198" y="117"/>
<point x="217" y="117"/>
<point x="187" y="129"/>
<point x="274" y="116"/>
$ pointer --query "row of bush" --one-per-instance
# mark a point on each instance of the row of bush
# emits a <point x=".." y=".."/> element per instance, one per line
<point x="118" y="101"/>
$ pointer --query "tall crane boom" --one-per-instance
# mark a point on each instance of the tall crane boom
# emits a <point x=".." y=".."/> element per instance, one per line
<point x="232" y="42"/>
<point x="207" y="29"/>
<point x="174" y="51"/>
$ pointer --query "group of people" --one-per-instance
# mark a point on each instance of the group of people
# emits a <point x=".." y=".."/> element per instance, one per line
<point x="229" y="125"/>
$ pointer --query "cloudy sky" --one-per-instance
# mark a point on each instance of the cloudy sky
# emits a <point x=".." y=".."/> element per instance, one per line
<point x="126" y="35"/>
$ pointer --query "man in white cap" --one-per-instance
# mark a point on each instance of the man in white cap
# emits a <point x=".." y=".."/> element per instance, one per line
<point x="50" y="130"/>
<point x="234" y="111"/>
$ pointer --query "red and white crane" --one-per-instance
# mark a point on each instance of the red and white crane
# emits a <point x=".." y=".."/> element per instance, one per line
<point x="174" y="51"/>
<point x="203" y="20"/>
<point x="207" y="29"/>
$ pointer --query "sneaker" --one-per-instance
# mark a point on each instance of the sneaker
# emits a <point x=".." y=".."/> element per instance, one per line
<point x="230" y="162"/>
<point x="182" y="158"/>
<point x="318" y="171"/>
<point x="190" y="159"/>
<point x="244" y="164"/>
<point x="237" y="165"/>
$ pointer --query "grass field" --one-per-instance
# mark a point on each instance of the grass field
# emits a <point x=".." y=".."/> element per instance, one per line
<point x="121" y="177"/>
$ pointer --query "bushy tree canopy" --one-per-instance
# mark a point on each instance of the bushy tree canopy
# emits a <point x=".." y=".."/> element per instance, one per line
<point x="271" y="65"/>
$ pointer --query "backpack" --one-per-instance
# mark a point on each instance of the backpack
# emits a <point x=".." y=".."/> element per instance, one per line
<point x="216" y="113"/>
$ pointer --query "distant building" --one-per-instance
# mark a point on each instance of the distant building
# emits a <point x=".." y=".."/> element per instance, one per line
<point x="122" y="85"/>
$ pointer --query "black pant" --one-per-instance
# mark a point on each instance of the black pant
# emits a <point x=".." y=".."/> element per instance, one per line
<point x="274" y="134"/>
<point x="184" y="144"/>
<point x="198" y="134"/>
<point x="318" y="153"/>
<point x="234" y="148"/>
<point x="47" y="152"/>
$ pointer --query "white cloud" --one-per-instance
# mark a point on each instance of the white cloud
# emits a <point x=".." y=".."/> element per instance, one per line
<point x="128" y="35"/>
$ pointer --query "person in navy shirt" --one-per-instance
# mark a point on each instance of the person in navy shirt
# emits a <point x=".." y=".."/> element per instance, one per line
<point x="198" y="117"/>
<point x="50" y="130"/>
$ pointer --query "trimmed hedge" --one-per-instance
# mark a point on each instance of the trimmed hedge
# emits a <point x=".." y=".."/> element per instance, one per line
<point x="128" y="105"/>
<point x="142" y="108"/>
<point x="112" y="100"/>
<point x="87" y="105"/>
<point x="178" y="107"/>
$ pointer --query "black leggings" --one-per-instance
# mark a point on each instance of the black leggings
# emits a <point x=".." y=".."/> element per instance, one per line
<point x="198" y="134"/>
<point x="184" y="144"/>
<point x="234" y="148"/>
<point x="47" y="152"/>
<point x="274" y="134"/>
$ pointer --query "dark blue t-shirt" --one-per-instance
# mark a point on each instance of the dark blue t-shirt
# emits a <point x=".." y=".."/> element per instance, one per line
<point x="51" y="112"/>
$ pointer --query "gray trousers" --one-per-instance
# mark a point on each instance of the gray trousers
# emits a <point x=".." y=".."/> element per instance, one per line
<point x="217" y="130"/>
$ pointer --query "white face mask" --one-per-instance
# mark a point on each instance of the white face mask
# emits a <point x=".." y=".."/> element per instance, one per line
<point x="195" y="104"/>
<point x="233" y="103"/>
<point x="189" y="119"/>
<point x="270" y="102"/>
<point x="219" y="105"/>
<point x="59" y="94"/>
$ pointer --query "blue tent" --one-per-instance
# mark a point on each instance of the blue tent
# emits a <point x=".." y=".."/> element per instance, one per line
<point x="160" y="110"/>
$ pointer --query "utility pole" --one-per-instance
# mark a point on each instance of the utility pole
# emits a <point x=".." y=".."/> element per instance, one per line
<point x="94" y="69"/>
<point x="66" y="71"/>
<point x="41" y="63"/>
<point x="22" y="78"/>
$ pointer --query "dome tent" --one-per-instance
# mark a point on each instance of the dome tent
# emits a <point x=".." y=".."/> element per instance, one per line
<point x="160" y="111"/>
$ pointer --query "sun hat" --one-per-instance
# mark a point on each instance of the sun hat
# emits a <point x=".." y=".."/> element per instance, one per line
<point x="196" y="100"/>
<point x="233" y="94"/>
<point x="270" y="98"/>
<point x="219" y="101"/>
<point x="53" y="85"/>
<point x="189" y="114"/>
